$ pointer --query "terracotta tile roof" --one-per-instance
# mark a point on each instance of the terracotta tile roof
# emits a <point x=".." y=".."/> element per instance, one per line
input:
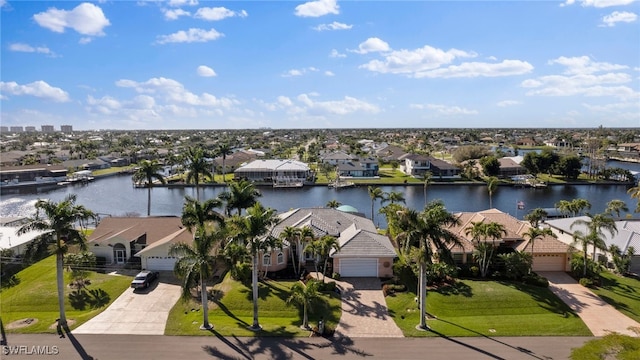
<point x="515" y="229"/>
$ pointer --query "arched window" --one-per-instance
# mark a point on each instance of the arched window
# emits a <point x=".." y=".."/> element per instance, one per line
<point x="280" y="258"/>
<point x="266" y="260"/>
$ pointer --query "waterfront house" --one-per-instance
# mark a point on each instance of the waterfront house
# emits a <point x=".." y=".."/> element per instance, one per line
<point x="275" y="171"/>
<point x="417" y="165"/>
<point x="549" y="254"/>
<point x="363" y="253"/>
<point x="627" y="236"/>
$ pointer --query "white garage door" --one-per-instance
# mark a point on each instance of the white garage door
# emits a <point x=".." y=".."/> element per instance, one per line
<point x="548" y="262"/>
<point x="159" y="263"/>
<point x="359" y="267"/>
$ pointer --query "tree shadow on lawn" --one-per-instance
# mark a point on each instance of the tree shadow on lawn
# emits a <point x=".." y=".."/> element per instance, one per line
<point x="226" y="310"/>
<point x="618" y="305"/>
<point x="475" y="348"/>
<point x="264" y="290"/>
<point x="457" y="288"/>
<point x="546" y="298"/>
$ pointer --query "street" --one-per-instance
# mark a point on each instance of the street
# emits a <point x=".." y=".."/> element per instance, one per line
<point x="139" y="347"/>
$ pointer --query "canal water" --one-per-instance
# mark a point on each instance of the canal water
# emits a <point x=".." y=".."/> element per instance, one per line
<point x="116" y="196"/>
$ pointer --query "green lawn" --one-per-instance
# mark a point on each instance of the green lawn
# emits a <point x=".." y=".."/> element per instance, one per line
<point x="233" y="312"/>
<point x="623" y="293"/>
<point x="36" y="297"/>
<point x="488" y="308"/>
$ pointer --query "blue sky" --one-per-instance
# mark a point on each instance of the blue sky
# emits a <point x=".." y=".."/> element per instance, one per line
<point x="189" y="64"/>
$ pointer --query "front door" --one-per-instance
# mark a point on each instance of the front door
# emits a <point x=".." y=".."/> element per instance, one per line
<point x="119" y="255"/>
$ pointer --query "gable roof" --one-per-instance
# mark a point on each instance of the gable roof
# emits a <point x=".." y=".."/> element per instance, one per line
<point x="180" y="236"/>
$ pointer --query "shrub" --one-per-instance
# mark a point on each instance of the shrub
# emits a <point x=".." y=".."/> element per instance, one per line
<point x="328" y="286"/>
<point x="336" y="276"/>
<point x="586" y="282"/>
<point x="440" y="272"/>
<point x="241" y="272"/>
<point x="577" y="267"/>
<point x="536" y="280"/>
<point x="475" y="271"/>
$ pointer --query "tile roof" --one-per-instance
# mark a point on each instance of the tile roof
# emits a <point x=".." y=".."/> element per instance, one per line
<point x="180" y="236"/>
<point x="628" y="233"/>
<point x="356" y="242"/>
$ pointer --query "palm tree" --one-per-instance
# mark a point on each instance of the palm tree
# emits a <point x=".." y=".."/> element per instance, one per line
<point x="427" y="180"/>
<point x="196" y="214"/>
<point x="583" y="240"/>
<point x="147" y="172"/>
<point x="253" y="228"/>
<point x="292" y="234"/>
<point x="59" y="218"/>
<point x="424" y="231"/>
<point x="241" y="195"/>
<point x="223" y="150"/>
<point x="492" y="186"/>
<point x="595" y="226"/>
<point x="484" y="252"/>
<point x="536" y="216"/>
<point x="198" y="261"/>
<point x="307" y="236"/>
<point x="333" y="204"/>
<point x="574" y="207"/>
<point x="634" y="192"/>
<point x="197" y="168"/>
<point x="393" y="197"/>
<point x="536" y="233"/>
<point x="304" y="295"/>
<point x="321" y="248"/>
<point x="616" y="206"/>
<point x="314" y="247"/>
<point x="374" y="193"/>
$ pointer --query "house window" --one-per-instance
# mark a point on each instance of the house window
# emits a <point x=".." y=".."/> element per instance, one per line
<point x="280" y="258"/>
<point x="266" y="260"/>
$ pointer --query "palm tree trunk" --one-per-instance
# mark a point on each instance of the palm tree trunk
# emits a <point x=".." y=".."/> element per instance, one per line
<point x="149" y="200"/>
<point x="224" y="171"/>
<point x="60" y="283"/>
<point x="254" y="281"/>
<point x="423" y="297"/>
<point x="205" y="304"/>
<point x="305" y="317"/>
<point x="293" y="260"/>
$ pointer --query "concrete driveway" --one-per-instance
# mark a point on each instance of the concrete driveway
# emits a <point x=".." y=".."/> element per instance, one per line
<point x="600" y="317"/>
<point x="364" y="310"/>
<point x="143" y="312"/>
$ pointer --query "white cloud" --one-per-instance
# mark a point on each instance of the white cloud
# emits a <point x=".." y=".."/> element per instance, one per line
<point x="178" y="3"/>
<point x="174" y="14"/>
<point x="38" y="89"/>
<point x="189" y="36"/>
<point x="217" y="13"/>
<point x="618" y="16"/>
<point x="173" y="92"/>
<point x="285" y="101"/>
<point x="507" y="103"/>
<point x="580" y="78"/>
<point x="336" y="54"/>
<point x="329" y="73"/>
<point x="372" y="45"/>
<point x="3" y="3"/>
<point x="206" y="71"/>
<point x="86" y="19"/>
<point x="20" y="47"/>
<point x="598" y="3"/>
<point x="299" y="72"/>
<point x="318" y="8"/>
<point x="333" y="26"/>
<point x="584" y="65"/>
<point x="345" y="106"/>
<point x="85" y="40"/>
<point x="478" y="69"/>
<point x="445" y="110"/>
<point x="413" y="61"/>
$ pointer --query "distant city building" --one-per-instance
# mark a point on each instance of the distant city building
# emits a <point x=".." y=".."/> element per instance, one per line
<point x="30" y="128"/>
<point x="66" y="128"/>
<point x="16" y="129"/>
<point x="4" y="129"/>
<point x="47" y="128"/>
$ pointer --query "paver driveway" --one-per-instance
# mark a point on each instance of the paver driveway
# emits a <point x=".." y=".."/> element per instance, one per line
<point x="143" y="312"/>
<point x="600" y="317"/>
<point x="364" y="310"/>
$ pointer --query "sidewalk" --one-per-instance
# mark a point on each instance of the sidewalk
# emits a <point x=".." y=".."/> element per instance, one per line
<point x="600" y="317"/>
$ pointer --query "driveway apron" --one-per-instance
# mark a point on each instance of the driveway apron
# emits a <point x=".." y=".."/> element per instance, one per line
<point x="364" y="310"/>
<point x="143" y="312"/>
<point x="600" y="317"/>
